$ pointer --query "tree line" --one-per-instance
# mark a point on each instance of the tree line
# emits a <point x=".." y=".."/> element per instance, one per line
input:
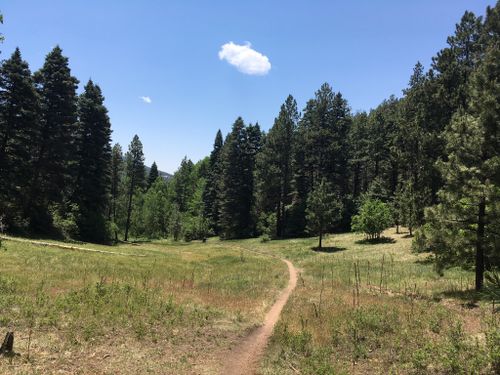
<point x="428" y="161"/>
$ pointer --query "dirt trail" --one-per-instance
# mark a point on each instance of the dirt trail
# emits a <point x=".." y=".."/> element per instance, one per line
<point x="244" y="358"/>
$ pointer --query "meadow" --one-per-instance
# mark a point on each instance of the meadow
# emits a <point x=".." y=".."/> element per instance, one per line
<point x="378" y="308"/>
<point x="179" y="308"/>
<point x="155" y="308"/>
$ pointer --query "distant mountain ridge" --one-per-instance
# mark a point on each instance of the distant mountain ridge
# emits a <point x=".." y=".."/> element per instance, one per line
<point x="165" y="175"/>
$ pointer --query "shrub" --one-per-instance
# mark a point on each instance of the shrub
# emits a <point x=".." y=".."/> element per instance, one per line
<point x="65" y="221"/>
<point x="374" y="216"/>
<point x="266" y="225"/>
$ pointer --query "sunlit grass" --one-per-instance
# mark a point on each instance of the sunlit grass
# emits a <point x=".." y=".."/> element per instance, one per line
<point x="358" y="307"/>
<point x="378" y="308"/>
<point x="85" y="298"/>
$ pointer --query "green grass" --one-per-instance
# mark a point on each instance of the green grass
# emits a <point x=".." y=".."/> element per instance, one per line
<point x="80" y="301"/>
<point x="378" y="308"/>
<point x="358" y="308"/>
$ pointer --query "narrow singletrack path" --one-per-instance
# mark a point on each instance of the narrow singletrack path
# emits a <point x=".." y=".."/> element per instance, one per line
<point x="244" y="358"/>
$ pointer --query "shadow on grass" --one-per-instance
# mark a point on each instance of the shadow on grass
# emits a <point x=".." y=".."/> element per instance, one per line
<point x="407" y="236"/>
<point x="375" y="241"/>
<point x="328" y="249"/>
<point x="469" y="297"/>
<point x="425" y="261"/>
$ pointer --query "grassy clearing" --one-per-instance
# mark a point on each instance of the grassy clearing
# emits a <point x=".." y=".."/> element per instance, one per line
<point x="80" y="312"/>
<point x="358" y="308"/>
<point x="378" y="308"/>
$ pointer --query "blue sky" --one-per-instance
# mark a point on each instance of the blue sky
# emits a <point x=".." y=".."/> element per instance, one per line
<point x="168" y="51"/>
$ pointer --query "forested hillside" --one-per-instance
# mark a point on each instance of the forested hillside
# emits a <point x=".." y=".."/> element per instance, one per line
<point x="428" y="160"/>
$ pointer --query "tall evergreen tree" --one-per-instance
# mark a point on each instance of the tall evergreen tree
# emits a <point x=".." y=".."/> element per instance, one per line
<point x="19" y="135"/>
<point x="464" y="228"/>
<point x="56" y="156"/>
<point x="274" y="166"/>
<point x="454" y="66"/>
<point x="183" y="184"/>
<point x="115" y="188"/>
<point x="412" y="143"/>
<point x="211" y="198"/>
<point x="91" y="192"/>
<point x="135" y="176"/>
<point x="238" y="159"/>
<point x="359" y="137"/>
<point x="322" y="152"/>
<point x="153" y="174"/>
<point x="323" y="210"/>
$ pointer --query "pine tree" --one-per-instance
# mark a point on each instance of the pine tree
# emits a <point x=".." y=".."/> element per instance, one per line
<point x="251" y="148"/>
<point x="454" y="66"/>
<point x="211" y="198"/>
<point x="359" y="157"/>
<point x="94" y="161"/>
<point x="274" y="166"/>
<point x="1" y="23"/>
<point x="412" y="143"/>
<point x="238" y="162"/>
<point x="322" y="152"/>
<point x="409" y="205"/>
<point x="19" y="136"/>
<point x="153" y="175"/>
<point x="323" y="210"/>
<point x="116" y="182"/>
<point x="56" y="155"/>
<point x="183" y="184"/>
<point x="135" y="176"/>
<point x="463" y="229"/>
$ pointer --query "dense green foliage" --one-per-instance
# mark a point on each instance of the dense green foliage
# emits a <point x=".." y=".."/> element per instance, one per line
<point x="431" y="157"/>
<point x="153" y="175"/>
<point x="94" y="162"/>
<point x="373" y="218"/>
<point x="323" y="209"/>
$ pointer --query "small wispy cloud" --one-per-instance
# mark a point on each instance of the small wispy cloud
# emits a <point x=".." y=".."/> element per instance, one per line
<point x="245" y="58"/>
<point x="145" y="99"/>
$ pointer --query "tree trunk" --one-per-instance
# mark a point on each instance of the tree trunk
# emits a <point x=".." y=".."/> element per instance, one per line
<point x="479" y="245"/>
<point x="7" y="346"/>
<point x="320" y="239"/>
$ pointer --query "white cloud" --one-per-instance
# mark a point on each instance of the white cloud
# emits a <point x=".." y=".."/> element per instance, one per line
<point x="245" y="59"/>
<point x="145" y="99"/>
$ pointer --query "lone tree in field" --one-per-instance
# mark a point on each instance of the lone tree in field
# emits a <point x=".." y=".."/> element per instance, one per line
<point x="374" y="216"/>
<point x="135" y="174"/>
<point x="323" y="210"/>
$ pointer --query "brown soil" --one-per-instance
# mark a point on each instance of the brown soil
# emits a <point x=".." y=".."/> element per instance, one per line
<point x="243" y="359"/>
